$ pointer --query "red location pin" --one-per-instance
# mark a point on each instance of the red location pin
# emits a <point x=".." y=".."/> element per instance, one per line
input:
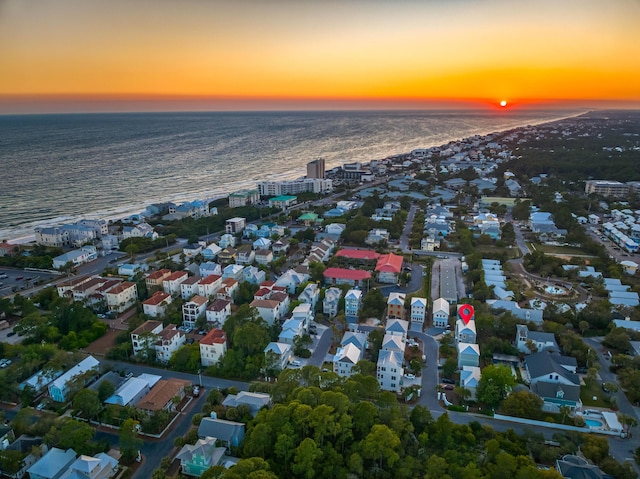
<point x="466" y="312"/>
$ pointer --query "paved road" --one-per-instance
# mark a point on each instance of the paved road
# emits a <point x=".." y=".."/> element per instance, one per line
<point x="321" y="349"/>
<point x="408" y="226"/>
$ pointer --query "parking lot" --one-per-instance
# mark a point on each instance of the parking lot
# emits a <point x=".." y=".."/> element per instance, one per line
<point x="17" y="280"/>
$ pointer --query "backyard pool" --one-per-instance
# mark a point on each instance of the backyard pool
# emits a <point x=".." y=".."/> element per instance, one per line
<point x="593" y="423"/>
<point x="555" y="290"/>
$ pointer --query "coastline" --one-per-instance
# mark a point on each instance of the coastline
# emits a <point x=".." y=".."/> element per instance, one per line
<point x="22" y="234"/>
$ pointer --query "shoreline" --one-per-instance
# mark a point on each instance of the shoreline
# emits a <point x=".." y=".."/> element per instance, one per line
<point x="24" y="234"/>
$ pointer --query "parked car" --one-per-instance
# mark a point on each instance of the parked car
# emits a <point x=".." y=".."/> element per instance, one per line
<point x="448" y="381"/>
<point x="448" y="387"/>
<point x="196" y="391"/>
<point x="410" y="376"/>
<point x="296" y="363"/>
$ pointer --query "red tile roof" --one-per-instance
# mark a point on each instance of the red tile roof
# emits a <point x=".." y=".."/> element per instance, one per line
<point x="199" y="300"/>
<point x="215" y="336"/>
<point x="161" y="273"/>
<point x="121" y="287"/>
<point x="176" y="275"/>
<point x="212" y="278"/>
<point x="157" y="298"/>
<point x="146" y="327"/>
<point x="365" y="254"/>
<point x="218" y="305"/>
<point x="389" y="263"/>
<point x="350" y="274"/>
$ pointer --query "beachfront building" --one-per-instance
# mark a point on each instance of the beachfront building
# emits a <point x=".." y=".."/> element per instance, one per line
<point x="53" y="236"/>
<point x="294" y="187"/>
<point x="76" y="257"/>
<point x="316" y="168"/>
<point x="243" y="198"/>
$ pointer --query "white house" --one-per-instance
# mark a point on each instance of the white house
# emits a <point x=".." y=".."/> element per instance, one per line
<point x="122" y="296"/>
<point x="310" y="295"/>
<point x="267" y="309"/>
<point x="189" y="287"/>
<point x="345" y="358"/>
<point x="156" y="305"/>
<point x="209" y="285"/>
<point x="441" y="313"/>
<point x="397" y="327"/>
<point x="171" y="284"/>
<point x="390" y="370"/>
<point x="193" y="309"/>
<point x="529" y="342"/>
<point x="169" y="341"/>
<point x="226" y="241"/>
<point x="277" y="355"/>
<point x="212" y="347"/>
<point x="218" y="311"/>
<point x="418" y="311"/>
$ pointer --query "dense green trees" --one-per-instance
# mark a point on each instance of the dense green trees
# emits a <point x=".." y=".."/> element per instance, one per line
<point x="496" y="382"/>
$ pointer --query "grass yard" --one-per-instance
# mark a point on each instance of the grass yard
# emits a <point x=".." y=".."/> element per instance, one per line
<point x="593" y="389"/>
<point x="560" y="250"/>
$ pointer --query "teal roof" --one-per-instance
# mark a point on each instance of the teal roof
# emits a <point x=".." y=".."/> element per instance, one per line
<point x="283" y="198"/>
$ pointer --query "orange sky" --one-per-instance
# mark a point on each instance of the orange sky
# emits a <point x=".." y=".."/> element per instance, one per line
<point x="314" y="51"/>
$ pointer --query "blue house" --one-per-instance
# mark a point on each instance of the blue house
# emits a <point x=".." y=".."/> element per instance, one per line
<point x="60" y="388"/>
<point x="229" y="433"/>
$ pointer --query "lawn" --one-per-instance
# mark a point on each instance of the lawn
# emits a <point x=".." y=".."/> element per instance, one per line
<point x="593" y="389"/>
<point x="560" y="250"/>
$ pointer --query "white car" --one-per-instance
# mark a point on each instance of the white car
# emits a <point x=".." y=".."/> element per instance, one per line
<point x="410" y="376"/>
<point x="296" y="364"/>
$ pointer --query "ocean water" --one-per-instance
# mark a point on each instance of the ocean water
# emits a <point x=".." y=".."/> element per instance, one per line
<point x="59" y="168"/>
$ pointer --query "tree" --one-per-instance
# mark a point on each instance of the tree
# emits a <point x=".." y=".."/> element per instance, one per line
<point x="306" y="458"/>
<point x="130" y="443"/>
<point x="88" y="402"/>
<point x="495" y="383"/>
<point x="105" y="390"/>
<point x="71" y="433"/>
<point x="11" y="461"/>
<point x="381" y="444"/>
<point x="627" y="421"/>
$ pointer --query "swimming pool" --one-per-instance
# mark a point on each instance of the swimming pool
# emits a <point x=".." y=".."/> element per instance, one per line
<point x="593" y="423"/>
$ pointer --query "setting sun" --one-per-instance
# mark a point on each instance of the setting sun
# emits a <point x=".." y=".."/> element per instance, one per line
<point x="503" y="103"/>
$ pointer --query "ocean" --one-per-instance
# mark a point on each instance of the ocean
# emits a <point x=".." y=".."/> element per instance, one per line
<point x="60" y="168"/>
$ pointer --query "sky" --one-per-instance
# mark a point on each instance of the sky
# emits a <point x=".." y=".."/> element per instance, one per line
<point x="75" y="55"/>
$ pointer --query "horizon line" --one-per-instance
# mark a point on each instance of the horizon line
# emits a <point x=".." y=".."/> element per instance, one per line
<point x="136" y="103"/>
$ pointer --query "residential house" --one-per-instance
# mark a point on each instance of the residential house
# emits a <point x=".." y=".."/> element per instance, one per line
<point x="75" y="257"/>
<point x="61" y="388"/>
<point x="395" y="305"/>
<point x="155" y="280"/>
<point x="228" y="433"/>
<point x="345" y="358"/>
<point x="441" y="313"/>
<point x="192" y="250"/>
<point x="212" y="347"/>
<point x="262" y="243"/>
<point x="352" y="302"/>
<point x="469" y="379"/>
<point x="397" y="327"/>
<point x="377" y="236"/>
<point x="144" y="337"/>
<point x="169" y="341"/>
<point x="209" y="285"/>
<point x="393" y="342"/>
<point x="197" y="458"/>
<point x="363" y="258"/>
<point x="277" y="356"/>
<point x="228" y="289"/>
<point x="418" y="311"/>
<point x="7" y="249"/>
<point x="163" y="395"/>
<point x="54" y="236"/>
<point x="253" y="275"/>
<point x="131" y="269"/>
<point x="31" y="449"/>
<point x="227" y="241"/>
<point x="227" y="256"/>
<point x="194" y="309"/>
<point x="310" y="294"/>
<point x="468" y="355"/>
<point x="465" y="333"/>
<point x="210" y="252"/>
<point x="291" y="329"/>
<point x="353" y="277"/>
<point x="389" y="267"/>
<point x="6" y="436"/>
<point x="141" y="230"/>
<point x="254" y="401"/>
<point x="291" y="279"/>
<point x="156" y="305"/>
<point x="529" y="342"/>
<point x="390" y="370"/>
<point x="268" y="309"/>
<point x="133" y="389"/>
<point x="281" y="246"/>
<point x="303" y="312"/>
<point x="209" y="268"/>
<point x="218" y="312"/>
<point x="356" y="338"/>
<point x="553" y="377"/>
<point x="122" y="296"/>
<point x="264" y="256"/>
<point x="53" y="464"/>
<point x="171" y="284"/>
<point x="576" y="467"/>
<point x="245" y="255"/>
<point x="429" y="243"/>
<point x="335" y="228"/>
<point x="331" y="301"/>
<point x="189" y="287"/>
